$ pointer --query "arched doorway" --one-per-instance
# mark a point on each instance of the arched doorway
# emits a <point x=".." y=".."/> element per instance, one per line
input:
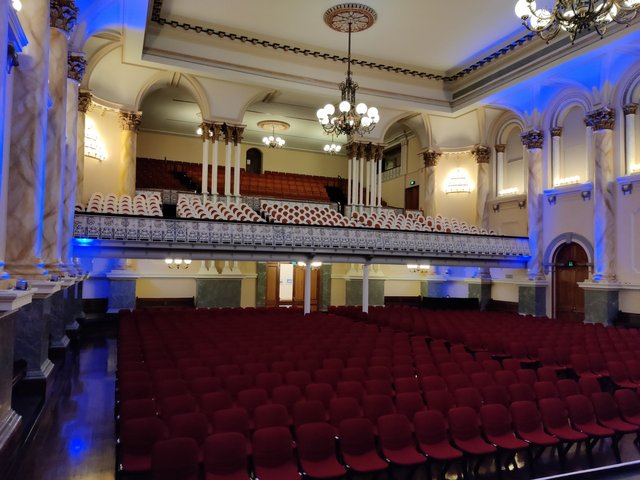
<point x="254" y="161"/>
<point x="571" y="266"/>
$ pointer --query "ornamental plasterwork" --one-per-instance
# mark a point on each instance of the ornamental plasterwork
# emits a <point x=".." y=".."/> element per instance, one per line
<point x="130" y="120"/>
<point x="76" y="65"/>
<point x="532" y="139"/>
<point x="430" y="158"/>
<point x="482" y="153"/>
<point x="63" y="15"/>
<point x="630" y="109"/>
<point x="601" y="119"/>
<point x="84" y="101"/>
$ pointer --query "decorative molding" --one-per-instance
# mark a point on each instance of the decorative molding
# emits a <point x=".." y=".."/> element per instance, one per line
<point x="76" y="65"/>
<point x="130" y="120"/>
<point x="156" y="17"/>
<point x="556" y="131"/>
<point x="84" y="101"/>
<point x="430" y="158"/>
<point x="360" y="16"/>
<point x="500" y="148"/>
<point x="532" y="139"/>
<point x="601" y="119"/>
<point x="482" y="153"/>
<point x="630" y="109"/>
<point x="584" y="189"/>
<point x="63" y="15"/>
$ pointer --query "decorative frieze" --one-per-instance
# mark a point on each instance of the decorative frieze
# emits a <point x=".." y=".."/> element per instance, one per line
<point x="63" y="15"/>
<point x="532" y="139"/>
<point x="630" y="109"/>
<point x="556" y="131"/>
<point x="430" y="158"/>
<point x="482" y="153"/>
<point x="130" y="121"/>
<point x="84" y="101"/>
<point x="76" y="65"/>
<point x="601" y="119"/>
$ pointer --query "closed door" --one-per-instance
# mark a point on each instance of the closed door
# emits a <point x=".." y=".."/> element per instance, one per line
<point x="412" y="198"/>
<point x="571" y="268"/>
<point x="273" y="285"/>
<point x="298" y="288"/>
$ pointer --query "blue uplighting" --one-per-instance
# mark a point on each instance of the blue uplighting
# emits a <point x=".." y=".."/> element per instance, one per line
<point x="77" y="447"/>
<point x="84" y="241"/>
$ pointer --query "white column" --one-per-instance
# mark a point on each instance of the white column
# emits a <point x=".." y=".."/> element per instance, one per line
<point x="367" y="174"/>
<point x="84" y="102"/>
<point x="228" y="140"/>
<point x="482" y="154"/>
<point x="379" y="189"/>
<point x="589" y="156"/>
<point x="130" y="122"/>
<point x="237" y="141"/>
<point x="603" y="121"/>
<point x="374" y="183"/>
<point x="630" y="111"/>
<point x="307" y="287"/>
<point x="6" y="90"/>
<point x="349" y="176"/>
<point x="365" y="288"/>
<point x="354" y="179"/>
<point x="215" y="130"/>
<point x="533" y="141"/>
<point x="430" y="159"/>
<point x="556" y="136"/>
<point x="361" y="168"/>
<point x="499" y="167"/>
<point x="205" y="158"/>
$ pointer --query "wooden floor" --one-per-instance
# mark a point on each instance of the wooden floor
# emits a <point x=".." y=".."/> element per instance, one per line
<point x="75" y="439"/>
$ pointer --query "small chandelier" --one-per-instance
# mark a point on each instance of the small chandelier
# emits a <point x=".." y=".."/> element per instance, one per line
<point x="351" y="118"/>
<point x="177" y="262"/>
<point x="332" y="148"/>
<point x="273" y="141"/>
<point x="575" y="16"/>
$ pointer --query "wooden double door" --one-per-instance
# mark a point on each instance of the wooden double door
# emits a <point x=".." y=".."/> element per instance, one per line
<point x="273" y="287"/>
<point x="571" y="267"/>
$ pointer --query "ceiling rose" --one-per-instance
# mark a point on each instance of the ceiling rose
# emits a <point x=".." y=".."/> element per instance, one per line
<point x="360" y="16"/>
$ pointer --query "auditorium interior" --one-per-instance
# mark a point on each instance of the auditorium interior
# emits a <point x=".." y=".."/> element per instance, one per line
<point x="210" y="267"/>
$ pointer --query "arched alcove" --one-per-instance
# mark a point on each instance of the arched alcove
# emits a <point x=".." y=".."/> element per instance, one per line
<point x="570" y="267"/>
<point x="254" y="160"/>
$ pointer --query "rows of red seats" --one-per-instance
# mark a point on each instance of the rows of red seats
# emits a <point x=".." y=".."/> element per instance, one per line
<point x="208" y="372"/>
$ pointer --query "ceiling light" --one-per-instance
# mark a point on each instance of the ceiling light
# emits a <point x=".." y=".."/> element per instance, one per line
<point x="575" y="16"/>
<point x="351" y="117"/>
<point x="17" y="5"/>
<point x="273" y="141"/>
<point x="332" y="148"/>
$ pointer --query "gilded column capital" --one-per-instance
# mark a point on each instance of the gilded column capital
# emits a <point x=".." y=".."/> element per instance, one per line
<point x="630" y="108"/>
<point x="556" y="131"/>
<point x="352" y="150"/>
<point x="532" y="139"/>
<point x="482" y="153"/>
<point x="84" y="101"/>
<point x="500" y="148"/>
<point x="227" y="130"/>
<point x="215" y="129"/>
<point x="601" y="119"/>
<point x="430" y="158"/>
<point x="130" y="121"/>
<point x="368" y="151"/>
<point x="204" y="126"/>
<point x="378" y="152"/>
<point x="76" y="65"/>
<point x="237" y="135"/>
<point x="63" y="15"/>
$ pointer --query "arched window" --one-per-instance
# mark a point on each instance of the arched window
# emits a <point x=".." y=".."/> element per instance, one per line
<point x="573" y="165"/>
<point x="254" y="161"/>
<point x="510" y="167"/>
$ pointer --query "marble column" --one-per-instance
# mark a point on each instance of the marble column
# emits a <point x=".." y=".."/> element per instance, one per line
<point x="214" y="130"/>
<point x="630" y="110"/>
<point x="482" y="154"/>
<point x="75" y="71"/>
<point x="237" y="144"/>
<point x="379" y="154"/>
<point x="430" y="159"/>
<point x="349" y="161"/>
<point x="63" y="15"/>
<point x="228" y="140"/>
<point x="365" y="288"/>
<point x="500" y="149"/>
<point x="84" y="102"/>
<point x="307" y="288"/>
<point x="130" y="123"/>
<point x="533" y="140"/>
<point x="361" y="164"/>
<point x="25" y="200"/>
<point x="556" y="137"/>
<point x="602" y="122"/>
<point x="261" y="284"/>
<point x="205" y="158"/>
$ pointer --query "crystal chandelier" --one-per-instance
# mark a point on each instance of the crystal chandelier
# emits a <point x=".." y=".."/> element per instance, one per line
<point x="332" y="148"/>
<point x="273" y="141"/>
<point x="574" y="16"/>
<point x="351" y="117"/>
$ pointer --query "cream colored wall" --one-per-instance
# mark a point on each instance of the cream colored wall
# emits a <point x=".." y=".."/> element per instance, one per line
<point x="166" y="288"/>
<point x="504" y="292"/>
<point x="402" y="288"/>
<point x="181" y="148"/>
<point x="393" y="192"/>
<point x="248" y="292"/>
<point x="338" y="285"/>
<point x="103" y="176"/>
<point x="456" y="205"/>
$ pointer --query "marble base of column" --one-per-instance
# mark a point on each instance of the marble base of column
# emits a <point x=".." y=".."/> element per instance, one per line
<point x="79" y="302"/>
<point x="532" y="299"/>
<point x="433" y="288"/>
<point x="354" y="291"/>
<point x="71" y="326"/>
<point x="9" y="424"/>
<point x="601" y="302"/>
<point x="480" y="289"/>
<point x="59" y="339"/>
<point x="324" y="280"/>
<point x="218" y="292"/>
<point x="261" y="284"/>
<point x="9" y="420"/>
<point x="122" y="294"/>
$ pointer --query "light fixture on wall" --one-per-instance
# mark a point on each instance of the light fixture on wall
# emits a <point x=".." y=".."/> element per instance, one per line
<point x="177" y="263"/>
<point x="635" y="168"/>
<point x="547" y="18"/>
<point x="561" y="182"/>
<point x="273" y="141"/>
<point x="17" y="5"/>
<point x="418" y="268"/>
<point x="505" y="192"/>
<point x="93" y="145"/>
<point x="313" y="264"/>
<point x="351" y="117"/>
<point x="332" y="148"/>
<point x="458" y="182"/>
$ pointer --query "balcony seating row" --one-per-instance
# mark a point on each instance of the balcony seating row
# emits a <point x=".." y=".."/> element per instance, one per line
<point x="113" y="204"/>
<point x="192" y="206"/>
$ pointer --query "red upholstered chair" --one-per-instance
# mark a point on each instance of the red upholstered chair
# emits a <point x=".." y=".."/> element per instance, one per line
<point x="191" y="425"/>
<point x="299" y="378"/>
<point x="268" y="380"/>
<point x="287" y="395"/>
<point x="137" y="408"/>
<point x="137" y="438"/>
<point x="629" y="405"/>
<point x="396" y="440"/>
<point x="407" y="384"/>
<point x="174" y="405"/>
<point x="409" y="403"/>
<point x="317" y="451"/>
<point x="440" y="400"/>
<point x="353" y="389"/>
<point x="555" y="418"/>
<point x="343" y="408"/>
<point x="620" y="375"/>
<point x="358" y="448"/>
<point x="583" y="418"/>
<point x="496" y="424"/>
<point x="545" y="389"/>
<point x="465" y="433"/>
<point x="273" y="415"/>
<point x="273" y="457"/>
<point x="433" y="439"/>
<point x="175" y="459"/>
<point x="309" y="411"/>
<point x="225" y="457"/>
<point x="521" y="391"/>
<point x="608" y="415"/>
<point x="589" y="385"/>
<point x="210" y="403"/>
<point x="567" y="387"/>
<point x="232" y="420"/>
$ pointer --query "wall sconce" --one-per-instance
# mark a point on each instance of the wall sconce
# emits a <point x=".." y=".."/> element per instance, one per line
<point x="627" y="188"/>
<point x="177" y="263"/>
<point x="313" y="264"/>
<point x="551" y="199"/>
<point x="418" y="268"/>
<point x="458" y="182"/>
<point x="495" y="207"/>
<point x="586" y="195"/>
<point x="93" y="145"/>
<point x="522" y="204"/>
